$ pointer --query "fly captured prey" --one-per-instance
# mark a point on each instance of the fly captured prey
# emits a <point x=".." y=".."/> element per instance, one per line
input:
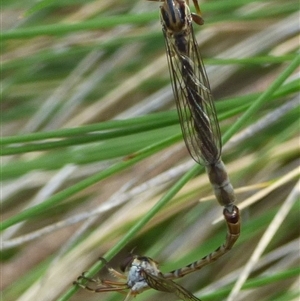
<point x="142" y="274"/>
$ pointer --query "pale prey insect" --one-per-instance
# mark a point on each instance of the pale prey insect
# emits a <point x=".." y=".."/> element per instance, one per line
<point x="142" y="273"/>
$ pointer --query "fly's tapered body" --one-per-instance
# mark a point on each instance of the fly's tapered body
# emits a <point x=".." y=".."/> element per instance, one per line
<point x="197" y="115"/>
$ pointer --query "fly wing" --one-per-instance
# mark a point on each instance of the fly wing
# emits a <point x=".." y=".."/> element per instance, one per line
<point x="195" y="105"/>
<point x="160" y="283"/>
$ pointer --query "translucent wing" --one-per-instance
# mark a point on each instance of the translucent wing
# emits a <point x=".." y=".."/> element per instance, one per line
<point x="197" y="114"/>
<point x="160" y="283"/>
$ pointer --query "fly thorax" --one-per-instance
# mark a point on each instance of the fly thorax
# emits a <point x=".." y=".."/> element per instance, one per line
<point x="150" y="267"/>
<point x="175" y="16"/>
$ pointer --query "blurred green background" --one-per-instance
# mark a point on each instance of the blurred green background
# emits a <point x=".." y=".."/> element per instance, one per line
<point x="93" y="156"/>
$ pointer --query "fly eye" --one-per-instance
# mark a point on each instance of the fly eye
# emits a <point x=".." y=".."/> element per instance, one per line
<point x="126" y="263"/>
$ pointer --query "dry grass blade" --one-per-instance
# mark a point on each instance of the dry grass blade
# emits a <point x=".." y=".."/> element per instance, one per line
<point x="265" y="240"/>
